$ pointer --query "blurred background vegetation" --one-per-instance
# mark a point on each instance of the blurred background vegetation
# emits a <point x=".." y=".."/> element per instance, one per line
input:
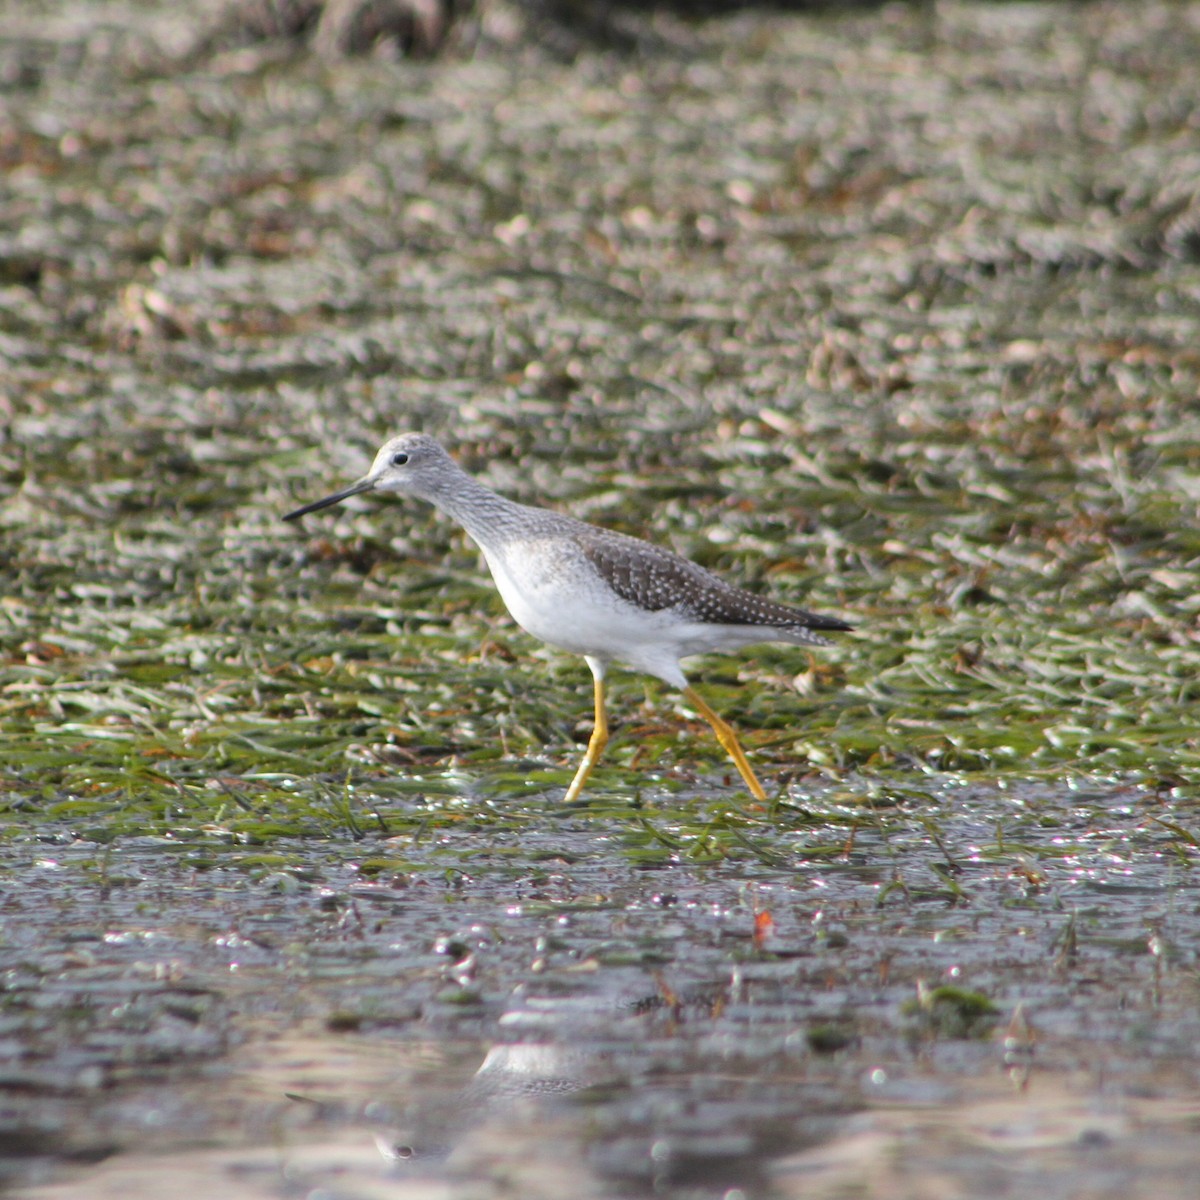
<point x="890" y="310"/>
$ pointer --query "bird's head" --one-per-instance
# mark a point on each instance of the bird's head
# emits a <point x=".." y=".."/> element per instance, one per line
<point x="410" y="462"/>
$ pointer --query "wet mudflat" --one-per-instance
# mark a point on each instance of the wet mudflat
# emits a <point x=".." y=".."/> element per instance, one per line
<point x="892" y="311"/>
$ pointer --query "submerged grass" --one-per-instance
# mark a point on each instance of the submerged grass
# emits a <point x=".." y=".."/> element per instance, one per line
<point x="278" y="740"/>
<point x="943" y="440"/>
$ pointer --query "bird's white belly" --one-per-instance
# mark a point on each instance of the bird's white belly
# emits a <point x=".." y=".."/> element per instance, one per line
<point x="575" y="611"/>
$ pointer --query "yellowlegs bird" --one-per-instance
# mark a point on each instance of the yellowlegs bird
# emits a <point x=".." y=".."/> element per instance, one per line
<point x="607" y="596"/>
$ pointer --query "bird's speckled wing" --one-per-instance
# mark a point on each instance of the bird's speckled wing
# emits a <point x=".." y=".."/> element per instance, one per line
<point x="655" y="579"/>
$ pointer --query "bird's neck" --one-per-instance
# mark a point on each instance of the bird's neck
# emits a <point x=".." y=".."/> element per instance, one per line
<point x="488" y="517"/>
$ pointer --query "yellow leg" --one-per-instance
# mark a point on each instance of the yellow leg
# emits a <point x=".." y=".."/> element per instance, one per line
<point x="596" y="744"/>
<point x="728" y="739"/>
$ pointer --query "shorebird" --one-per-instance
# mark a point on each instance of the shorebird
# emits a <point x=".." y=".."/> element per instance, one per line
<point x="592" y="591"/>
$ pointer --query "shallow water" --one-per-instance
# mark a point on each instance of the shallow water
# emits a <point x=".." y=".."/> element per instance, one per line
<point x="540" y="1014"/>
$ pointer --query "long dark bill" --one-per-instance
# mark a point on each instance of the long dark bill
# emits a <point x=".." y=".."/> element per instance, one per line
<point x="363" y="485"/>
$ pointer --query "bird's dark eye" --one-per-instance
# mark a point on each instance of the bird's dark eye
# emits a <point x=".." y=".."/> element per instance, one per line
<point x="399" y="458"/>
